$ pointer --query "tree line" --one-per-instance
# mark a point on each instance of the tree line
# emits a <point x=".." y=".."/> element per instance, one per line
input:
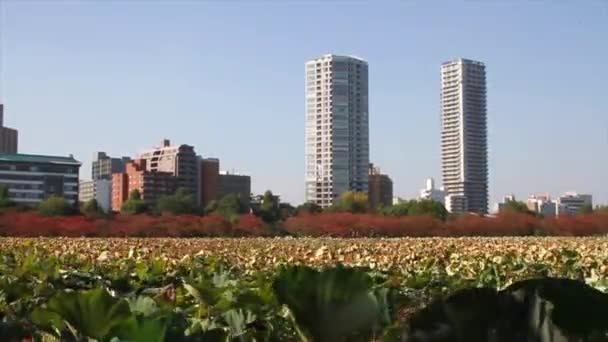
<point x="267" y="207"/>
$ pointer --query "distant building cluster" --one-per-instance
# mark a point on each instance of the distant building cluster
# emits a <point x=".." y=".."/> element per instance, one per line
<point x="165" y="169"/>
<point x="160" y="171"/>
<point x="569" y="203"/>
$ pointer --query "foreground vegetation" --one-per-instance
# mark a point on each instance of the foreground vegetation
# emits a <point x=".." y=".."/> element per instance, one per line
<point x="255" y="289"/>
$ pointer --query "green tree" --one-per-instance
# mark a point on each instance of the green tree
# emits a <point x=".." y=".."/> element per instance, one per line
<point x="601" y="209"/>
<point x="428" y="207"/>
<point x="91" y="207"/>
<point x="586" y="209"/>
<point x="286" y="210"/>
<point x="178" y="204"/>
<point x="416" y="208"/>
<point x="269" y="209"/>
<point x="353" y="202"/>
<point x="516" y="207"/>
<point x="309" y="208"/>
<point x="231" y="206"/>
<point x="399" y="209"/>
<point x="5" y="200"/>
<point x="55" y="206"/>
<point x="134" y="205"/>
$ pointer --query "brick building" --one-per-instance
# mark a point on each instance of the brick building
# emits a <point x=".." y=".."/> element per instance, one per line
<point x="210" y="174"/>
<point x="380" y="188"/>
<point x="151" y="185"/>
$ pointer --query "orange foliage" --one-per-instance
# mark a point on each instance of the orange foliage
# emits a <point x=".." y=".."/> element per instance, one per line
<point x="338" y="224"/>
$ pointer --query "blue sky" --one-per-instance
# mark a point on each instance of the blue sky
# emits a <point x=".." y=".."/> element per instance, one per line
<point x="228" y="78"/>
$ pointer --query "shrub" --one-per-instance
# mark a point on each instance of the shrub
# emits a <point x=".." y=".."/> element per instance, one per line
<point x="251" y="225"/>
<point x="5" y="200"/>
<point x="134" y="205"/>
<point x="55" y="206"/>
<point x="177" y="204"/>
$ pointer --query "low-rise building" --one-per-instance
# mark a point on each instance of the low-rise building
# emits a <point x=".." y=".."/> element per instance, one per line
<point x="230" y="183"/>
<point x="100" y="190"/>
<point x="430" y="192"/>
<point x="542" y="204"/>
<point x="380" y="188"/>
<point x="571" y="203"/>
<point x="33" y="178"/>
<point x="151" y="185"/>
<point x="500" y="207"/>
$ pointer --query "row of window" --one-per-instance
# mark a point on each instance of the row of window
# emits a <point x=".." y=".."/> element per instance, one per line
<point x="38" y="168"/>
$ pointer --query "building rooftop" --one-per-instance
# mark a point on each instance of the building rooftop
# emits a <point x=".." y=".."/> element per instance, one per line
<point x="462" y="60"/>
<point x="36" y="158"/>
<point x="331" y="55"/>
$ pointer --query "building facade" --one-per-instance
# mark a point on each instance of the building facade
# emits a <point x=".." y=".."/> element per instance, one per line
<point x="464" y="135"/>
<point x="178" y="160"/>
<point x="9" y="138"/>
<point x="380" y="188"/>
<point x="432" y="193"/>
<point x="571" y="203"/>
<point x="210" y="174"/>
<point x="456" y="204"/>
<point x="33" y="178"/>
<point x="100" y="190"/>
<point x="151" y="185"/>
<point x="103" y="166"/>
<point x="542" y="204"/>
<point x="235" y="184"/>
<point x="337" y="128"/>
<point x="501" y="206"/>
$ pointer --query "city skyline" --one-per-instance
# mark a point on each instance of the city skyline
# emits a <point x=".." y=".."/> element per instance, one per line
<point x="530" y="108"/>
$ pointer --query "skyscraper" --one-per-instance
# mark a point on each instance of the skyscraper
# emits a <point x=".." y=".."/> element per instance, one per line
<point x="464" y="136"/>
<point x="337" y="127"/>
<point x="8" y="137"/>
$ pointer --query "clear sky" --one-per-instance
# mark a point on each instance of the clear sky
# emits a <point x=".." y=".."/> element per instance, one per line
<point x="228" y="78"/>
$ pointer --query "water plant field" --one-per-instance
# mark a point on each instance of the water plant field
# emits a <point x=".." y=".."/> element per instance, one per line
<point x="222" y="289"/>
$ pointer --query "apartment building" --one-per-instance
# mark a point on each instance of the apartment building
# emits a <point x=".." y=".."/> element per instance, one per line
<point x="464" y="135"/>
<point x="98" y="189"/>
<point x="179" y="160"/>
<point x="104" y="166"/>
<point x="380" y="186"/>
<point x="571" y="203"/>
<point x="33" y="178"/>
<point x="150" y="184"/>
<point x="542" y="204"/>
<point x="337" y="127"/>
